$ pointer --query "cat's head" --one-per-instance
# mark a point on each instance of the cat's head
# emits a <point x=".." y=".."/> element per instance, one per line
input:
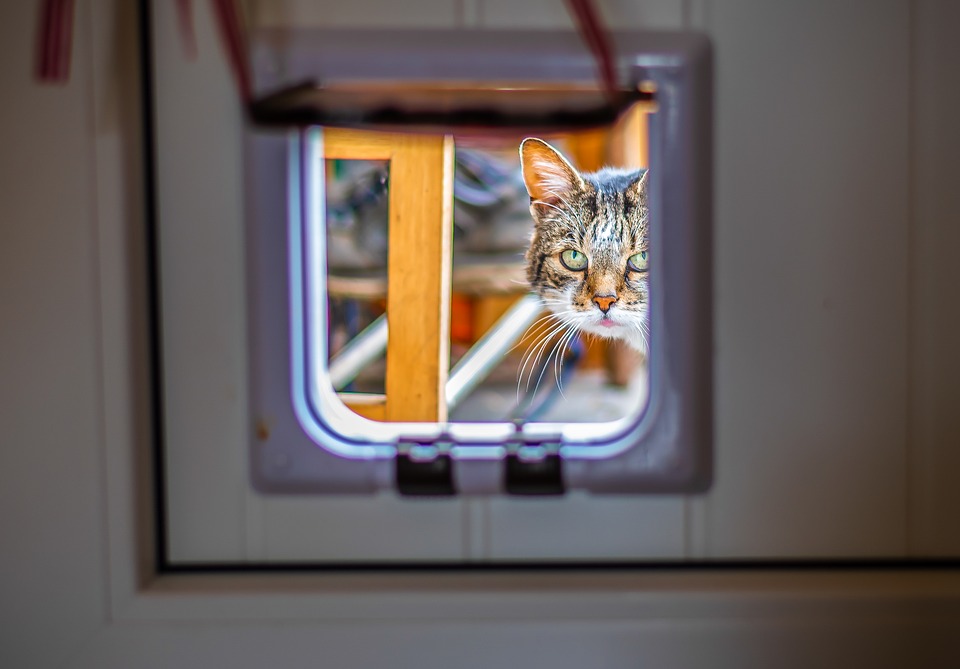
<point x="589" y="254"/>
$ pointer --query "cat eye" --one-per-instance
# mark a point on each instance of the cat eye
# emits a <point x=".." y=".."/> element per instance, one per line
<point x="574" y="260"/>
<point x="638" y="262"/>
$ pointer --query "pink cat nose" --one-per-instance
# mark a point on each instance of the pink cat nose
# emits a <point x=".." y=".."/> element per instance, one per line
<point x="604" y="302"/>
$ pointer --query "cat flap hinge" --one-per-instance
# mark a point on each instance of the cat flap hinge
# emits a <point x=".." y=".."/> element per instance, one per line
<point x="424" y="470"/>
<point x="534" y="470"/>
<point x="528" y="470"/>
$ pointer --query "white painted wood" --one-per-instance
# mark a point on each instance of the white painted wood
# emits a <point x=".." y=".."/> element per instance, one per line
<point x="51" y="421"/>
<point x="357" y="13"/>
<point x="476" y="542"/>
<point x="553" y="14"/>
<point x="689" y="644"/>
<point x="696" y="14"/>
<point x="362" y="529"/>
<point x="935" y="317"/>
<point x="213" y="515"/>
<point x="200" y="209"/>
<point x="581" y="527"/>
<point x="811" y="280"/>
<point x="601" y="620"/>
<point x="121" y="233"/>
<point x="811" y="365"/>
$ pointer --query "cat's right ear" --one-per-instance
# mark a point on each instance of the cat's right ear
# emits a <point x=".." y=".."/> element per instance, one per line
<point x="547" y="174"/>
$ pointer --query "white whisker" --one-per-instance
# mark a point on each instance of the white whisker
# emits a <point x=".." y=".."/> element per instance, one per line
<point x="533" y="353"/>
<point x="546" y="363"/>
<point x="538" y="350"/>
<point x="558" y="368"/>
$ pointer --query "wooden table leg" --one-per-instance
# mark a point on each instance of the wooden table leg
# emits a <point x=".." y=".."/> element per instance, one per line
<point x="418" y="292"/>
<point x="419" y="268"/>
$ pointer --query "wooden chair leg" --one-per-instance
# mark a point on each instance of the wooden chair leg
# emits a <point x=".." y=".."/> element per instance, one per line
<point x="418" y="292"/>
<point x="419" y="268"/>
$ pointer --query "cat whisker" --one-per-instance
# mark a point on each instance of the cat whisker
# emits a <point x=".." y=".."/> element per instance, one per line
<point x="569" y="327"/>
<point x="533" y="354"/>
<point x="643" y="327"/>
<point x="558" y="362"/>
<point x="536" y="351"/>
<point x="522" y="373"/>
<point x="537" y="327"/>
<point x="554" y="353"/>
<point x="537" y="324"/>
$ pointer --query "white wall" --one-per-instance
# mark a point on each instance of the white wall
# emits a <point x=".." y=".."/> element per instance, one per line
<point x="69" y="178"/>
<point x="837" y="374"/>
<point x="821" y="306"/>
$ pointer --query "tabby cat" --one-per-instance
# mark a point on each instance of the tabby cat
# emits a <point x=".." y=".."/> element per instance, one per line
<point x="589" y="254"/>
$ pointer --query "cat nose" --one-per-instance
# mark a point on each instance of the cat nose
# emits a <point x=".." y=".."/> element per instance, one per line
<point x="604" y="302"/>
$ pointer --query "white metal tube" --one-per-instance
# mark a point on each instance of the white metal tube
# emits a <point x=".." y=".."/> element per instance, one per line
<point x="480" y="360"/>
<point x="358" y="353"/>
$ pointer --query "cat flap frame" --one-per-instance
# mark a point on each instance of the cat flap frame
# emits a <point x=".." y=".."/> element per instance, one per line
<point x="302" y="439"/>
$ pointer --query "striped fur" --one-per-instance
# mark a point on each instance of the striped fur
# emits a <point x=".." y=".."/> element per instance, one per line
<point x="602" y="215"/>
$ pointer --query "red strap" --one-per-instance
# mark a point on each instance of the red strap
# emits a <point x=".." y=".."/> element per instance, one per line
<point x="54" y="41"/>
<point x="597" y="39"/>
<point x="233" y="34"/>
<point x="234" y="37"/>
<point x="188" y="36"/>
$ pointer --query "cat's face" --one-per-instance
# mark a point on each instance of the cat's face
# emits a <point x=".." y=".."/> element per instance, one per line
<point x="588" y="258"/>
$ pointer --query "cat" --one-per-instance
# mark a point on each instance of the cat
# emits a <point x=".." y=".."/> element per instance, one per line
<point x="588" y="258"/>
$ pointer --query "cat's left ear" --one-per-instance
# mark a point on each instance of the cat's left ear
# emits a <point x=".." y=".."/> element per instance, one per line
<point x="638" y="189"/>
<point x="547" y="174"/>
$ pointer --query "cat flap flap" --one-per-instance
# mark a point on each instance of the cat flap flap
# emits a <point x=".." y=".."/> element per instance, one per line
<point x="438" y="81"/>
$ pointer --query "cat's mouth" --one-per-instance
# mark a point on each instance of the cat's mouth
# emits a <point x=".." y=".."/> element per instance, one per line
<point x="607" y="322"/>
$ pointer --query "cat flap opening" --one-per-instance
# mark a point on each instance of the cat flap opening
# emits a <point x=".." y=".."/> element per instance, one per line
<point x="350" y="238"/>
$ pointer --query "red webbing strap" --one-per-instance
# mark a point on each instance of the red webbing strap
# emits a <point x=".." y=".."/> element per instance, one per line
<point x="587" y="20"/>
<point x="54" y="41"/>
<point x="56" y="37"/>
<point x="188" y="36"/>
<point x="597" y="39"/>
<point x="234" y="36"/>
<point x="232" y="32"/>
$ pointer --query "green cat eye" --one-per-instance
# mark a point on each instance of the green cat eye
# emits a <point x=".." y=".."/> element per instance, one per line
<point x="573" y="260"/>
<point x="638" y="262"/>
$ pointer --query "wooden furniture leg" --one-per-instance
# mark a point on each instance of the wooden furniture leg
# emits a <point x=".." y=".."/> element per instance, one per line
<point x="419" y="268"/>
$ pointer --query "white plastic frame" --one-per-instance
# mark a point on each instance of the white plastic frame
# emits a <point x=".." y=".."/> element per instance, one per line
<point x="302" y="437"/>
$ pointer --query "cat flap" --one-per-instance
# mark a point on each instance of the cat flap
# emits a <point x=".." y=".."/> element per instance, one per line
<point x="463" y="107"/>
<point x="548" y="83"/>
<point x="626" y="251"/>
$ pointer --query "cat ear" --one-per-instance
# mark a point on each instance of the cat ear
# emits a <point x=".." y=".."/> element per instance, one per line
<point x="547" y="174"/>
<point x="638" y="189"/>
